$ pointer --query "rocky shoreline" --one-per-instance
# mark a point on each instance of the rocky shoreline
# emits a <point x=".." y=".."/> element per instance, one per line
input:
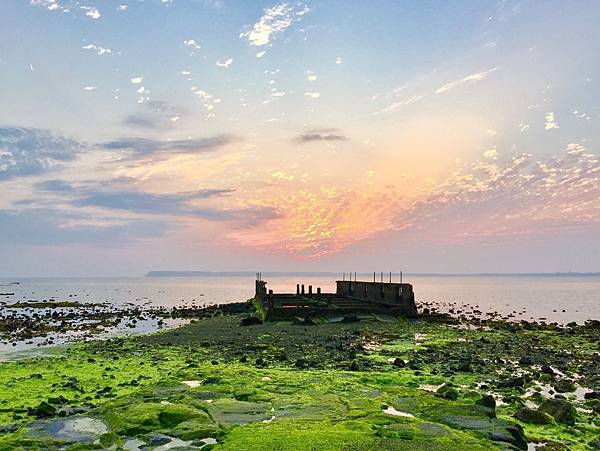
<point x="226" y="381"/>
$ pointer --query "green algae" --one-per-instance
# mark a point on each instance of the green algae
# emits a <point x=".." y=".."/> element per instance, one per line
<point x="283" y="386"/>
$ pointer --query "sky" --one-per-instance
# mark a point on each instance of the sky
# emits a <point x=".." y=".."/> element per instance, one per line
<point x="422" y="136"/>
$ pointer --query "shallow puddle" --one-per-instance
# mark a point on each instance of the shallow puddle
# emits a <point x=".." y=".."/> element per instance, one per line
<point x="75" y="429"/>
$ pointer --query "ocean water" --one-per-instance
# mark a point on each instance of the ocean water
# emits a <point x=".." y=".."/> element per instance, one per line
<point x="539" y="297"/>
<point x="559" y="299"/>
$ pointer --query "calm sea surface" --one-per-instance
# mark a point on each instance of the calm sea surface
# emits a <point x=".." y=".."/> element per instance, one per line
<point x="525" y="297"/>
<point x="539" y="296"/>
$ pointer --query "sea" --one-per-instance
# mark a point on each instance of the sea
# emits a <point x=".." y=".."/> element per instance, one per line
<point x="552" y="298"/>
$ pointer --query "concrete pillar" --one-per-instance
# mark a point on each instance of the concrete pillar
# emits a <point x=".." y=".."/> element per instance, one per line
<point x="297" y="288"/>
<point x="319" y="291"/>
<point x="302" y="288"/>
<point x="310" y="289"/>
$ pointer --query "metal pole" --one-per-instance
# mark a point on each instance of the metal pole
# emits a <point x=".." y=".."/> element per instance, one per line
<point x="373" y="276"/>
<point x="400" y="276"/>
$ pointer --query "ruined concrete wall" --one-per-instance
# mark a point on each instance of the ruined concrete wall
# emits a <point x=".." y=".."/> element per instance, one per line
<point x="397" y="294"/>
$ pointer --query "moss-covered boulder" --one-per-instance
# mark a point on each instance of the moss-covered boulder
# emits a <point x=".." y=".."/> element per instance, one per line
<point x="142" y="417"/>
<point x="532" y="416"/>
<point x="560" y="409"/>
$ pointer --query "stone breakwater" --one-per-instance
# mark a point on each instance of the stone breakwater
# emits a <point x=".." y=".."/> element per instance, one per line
<point x="438" y="383"/>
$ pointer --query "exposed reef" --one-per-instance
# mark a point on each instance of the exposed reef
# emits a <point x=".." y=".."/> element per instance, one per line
<point x="355" y="383"/>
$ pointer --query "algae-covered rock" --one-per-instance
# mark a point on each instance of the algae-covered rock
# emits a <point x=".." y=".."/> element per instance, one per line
<point x="486" y="401"/>
<point x="137" y="418"/>
<point x="251" y="321"/>
<point x="532" y="416"/>
<point x="447" y="392"/>
<point x="43" y="410"/>
<point x="173" y="414"/>
<point x="593" y="404"/>
<point x="512" y="434"/>
<point x="399" y="363"/>
<point x="465" y="367"/>
<point x="560" y="409"/>
<point x="564" y="386"/>
<point x="198" y="428"/>
<point x="512" y="382"/>
<point x="231" y="411"/>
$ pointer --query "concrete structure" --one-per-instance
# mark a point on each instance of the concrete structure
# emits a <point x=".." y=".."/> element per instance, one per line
<point x="350" y="298"/>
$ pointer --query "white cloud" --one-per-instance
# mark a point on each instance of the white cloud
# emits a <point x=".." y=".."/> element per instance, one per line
<point x="122" y="7"/>
<point x="89" y="88"/>
<point x="491" y="153"/>
<point x="275" y="20"/>
<point x="225" y="63"/>
<point x="550" y="122"/>
<point x="313" y="95"/>
<point x="98" y="49"/>
<point x="191" y="43"/>
<point x="473" y="77"/>
<point x="260" y="54"/>
<point x="311" y="76"/>
<point x="278" y="93"/>
<point x="136" y="80"/>
<point x="50" y="5"/>
<point x="91" y="12"/>
<point x="338" y="60"/>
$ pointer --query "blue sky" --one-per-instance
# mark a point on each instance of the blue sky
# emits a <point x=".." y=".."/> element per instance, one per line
<point x="235" y="135"/>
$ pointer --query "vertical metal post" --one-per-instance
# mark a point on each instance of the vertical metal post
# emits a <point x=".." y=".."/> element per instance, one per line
<point x="373" y="276"/>
<point x="400" y="276"/>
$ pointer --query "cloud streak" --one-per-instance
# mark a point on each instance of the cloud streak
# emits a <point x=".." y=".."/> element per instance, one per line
<point x="147" y="203"/>
<point x="320" y="135"/>
<point x="469" y="78"/>
<point x="154" y="114"/>
<point x="148" y="147"/>
<point x="32" y="151"/>
<point x="44" y="226"/>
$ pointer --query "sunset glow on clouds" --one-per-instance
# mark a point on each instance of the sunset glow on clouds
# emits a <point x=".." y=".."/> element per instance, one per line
<point x="152" y="135"/>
